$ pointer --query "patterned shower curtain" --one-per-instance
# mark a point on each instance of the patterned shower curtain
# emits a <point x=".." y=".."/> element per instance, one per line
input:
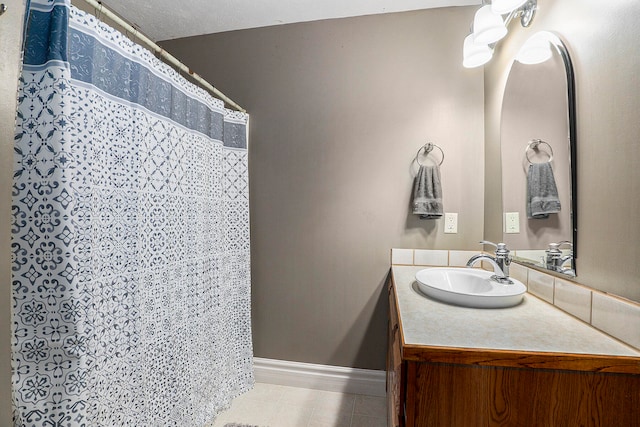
<point x="131" y="287"/>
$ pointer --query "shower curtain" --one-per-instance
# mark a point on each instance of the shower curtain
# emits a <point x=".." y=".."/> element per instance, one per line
<point x="131" y="287"/>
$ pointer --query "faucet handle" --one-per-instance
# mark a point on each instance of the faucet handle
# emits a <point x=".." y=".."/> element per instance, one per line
<point x="486" y="242"/>
<point x="556" y="246"/>
<point x="501" y="249"/>
<point x="553" y="252"/>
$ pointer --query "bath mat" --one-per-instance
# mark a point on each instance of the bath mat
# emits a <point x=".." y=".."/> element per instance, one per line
<point x="239" y="425"/>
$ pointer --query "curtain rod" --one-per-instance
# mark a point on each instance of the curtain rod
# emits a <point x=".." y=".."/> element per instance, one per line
<point x="163" y="53"/>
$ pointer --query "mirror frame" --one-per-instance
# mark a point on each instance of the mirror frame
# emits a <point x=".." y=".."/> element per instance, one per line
<point x="557" y="44"/>
<point x="571" y="104"/>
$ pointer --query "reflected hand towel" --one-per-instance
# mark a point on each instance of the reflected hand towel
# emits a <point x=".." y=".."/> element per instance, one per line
<point x="427" y="193"/>
<point x="542" y="193"/>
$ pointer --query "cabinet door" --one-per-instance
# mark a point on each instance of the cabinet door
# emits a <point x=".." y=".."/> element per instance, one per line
<point x="395" y="387"/>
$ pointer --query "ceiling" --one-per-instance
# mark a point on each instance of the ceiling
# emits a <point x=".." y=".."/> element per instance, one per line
<point x="162" y="20"/>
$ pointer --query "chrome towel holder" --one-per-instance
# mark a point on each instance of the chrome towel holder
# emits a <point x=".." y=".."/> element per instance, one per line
<point x="534" y="145"/>
<point x="428" y="148"/>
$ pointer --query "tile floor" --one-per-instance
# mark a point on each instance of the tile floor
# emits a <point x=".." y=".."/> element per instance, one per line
<point x="270" y="405"/>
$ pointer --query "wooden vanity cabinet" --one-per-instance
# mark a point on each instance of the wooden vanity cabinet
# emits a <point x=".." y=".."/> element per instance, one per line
<point x="436" y="386"/>
<point x="396" y="370"/>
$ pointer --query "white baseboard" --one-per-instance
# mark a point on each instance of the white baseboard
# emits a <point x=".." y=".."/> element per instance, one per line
<point x="320" y="377"/>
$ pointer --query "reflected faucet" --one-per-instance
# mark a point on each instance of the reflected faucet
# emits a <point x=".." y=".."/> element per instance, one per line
<point x="555" y="258"/>
<point x="500" y="262"/>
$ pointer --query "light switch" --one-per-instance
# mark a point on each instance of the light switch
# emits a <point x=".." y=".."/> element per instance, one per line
<point x="512" y="222"/>
<point x="450" y="223"/>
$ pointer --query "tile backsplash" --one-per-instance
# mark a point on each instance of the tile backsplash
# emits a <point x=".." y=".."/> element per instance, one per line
<point x="541" y="285"/>
<point x="613" y="315"/>
<point x="434" y="258"/>
<point x="402" y="256"/>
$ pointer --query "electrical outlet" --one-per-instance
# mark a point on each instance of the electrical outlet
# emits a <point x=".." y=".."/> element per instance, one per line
<point x="512" y="222"/>
<point x="450" y="223"/>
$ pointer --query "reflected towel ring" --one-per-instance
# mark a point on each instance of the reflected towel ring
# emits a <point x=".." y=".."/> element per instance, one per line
<point x="533" y="145"/>
<point x="428" y="147"/>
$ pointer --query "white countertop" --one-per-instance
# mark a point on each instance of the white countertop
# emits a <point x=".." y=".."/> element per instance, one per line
<point x="534" y="325"/>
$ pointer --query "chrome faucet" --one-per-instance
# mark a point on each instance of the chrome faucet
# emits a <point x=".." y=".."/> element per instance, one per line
<point x="555" y="258"/>
<point x="500" y="262"/>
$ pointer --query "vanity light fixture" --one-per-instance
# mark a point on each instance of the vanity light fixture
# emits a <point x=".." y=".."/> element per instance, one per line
<point x="535" y="50"/>
<point x="502" y="7"/>
<point x="475" y="55"/>
<point x="488" y="28"/>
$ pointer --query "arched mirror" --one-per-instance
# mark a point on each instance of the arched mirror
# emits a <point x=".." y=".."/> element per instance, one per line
<point x="538" y="148"/>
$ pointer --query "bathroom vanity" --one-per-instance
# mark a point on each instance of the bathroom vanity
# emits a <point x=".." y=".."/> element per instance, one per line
<point x="528" y="365"/>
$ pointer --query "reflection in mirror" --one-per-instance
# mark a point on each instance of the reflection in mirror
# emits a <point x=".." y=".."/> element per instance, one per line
<point x="538" y="147"/>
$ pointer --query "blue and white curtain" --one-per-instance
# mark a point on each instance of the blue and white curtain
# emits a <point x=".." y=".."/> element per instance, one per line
<point x="131" y="287"/>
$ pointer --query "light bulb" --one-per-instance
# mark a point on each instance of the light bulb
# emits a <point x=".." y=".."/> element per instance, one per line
<point x="487" y="26"/>
<point x="475" y="55"/>
<point x="535" y="50"/>
<point x="502" y="7"/>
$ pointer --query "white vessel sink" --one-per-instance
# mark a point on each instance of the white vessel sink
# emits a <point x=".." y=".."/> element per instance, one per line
<point x="469" y="287"/>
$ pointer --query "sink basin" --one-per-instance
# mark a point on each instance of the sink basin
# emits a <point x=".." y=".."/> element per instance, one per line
<point x="469" y="287"/>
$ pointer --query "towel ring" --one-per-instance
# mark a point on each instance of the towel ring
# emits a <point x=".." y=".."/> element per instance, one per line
<point x="533" y="145"/>
<point x="428" y="147"/>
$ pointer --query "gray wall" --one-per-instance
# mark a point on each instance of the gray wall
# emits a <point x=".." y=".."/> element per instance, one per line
<point x="604" y="43"/>
<point x="338" y="110"/>
<point x="10" y="35"/>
